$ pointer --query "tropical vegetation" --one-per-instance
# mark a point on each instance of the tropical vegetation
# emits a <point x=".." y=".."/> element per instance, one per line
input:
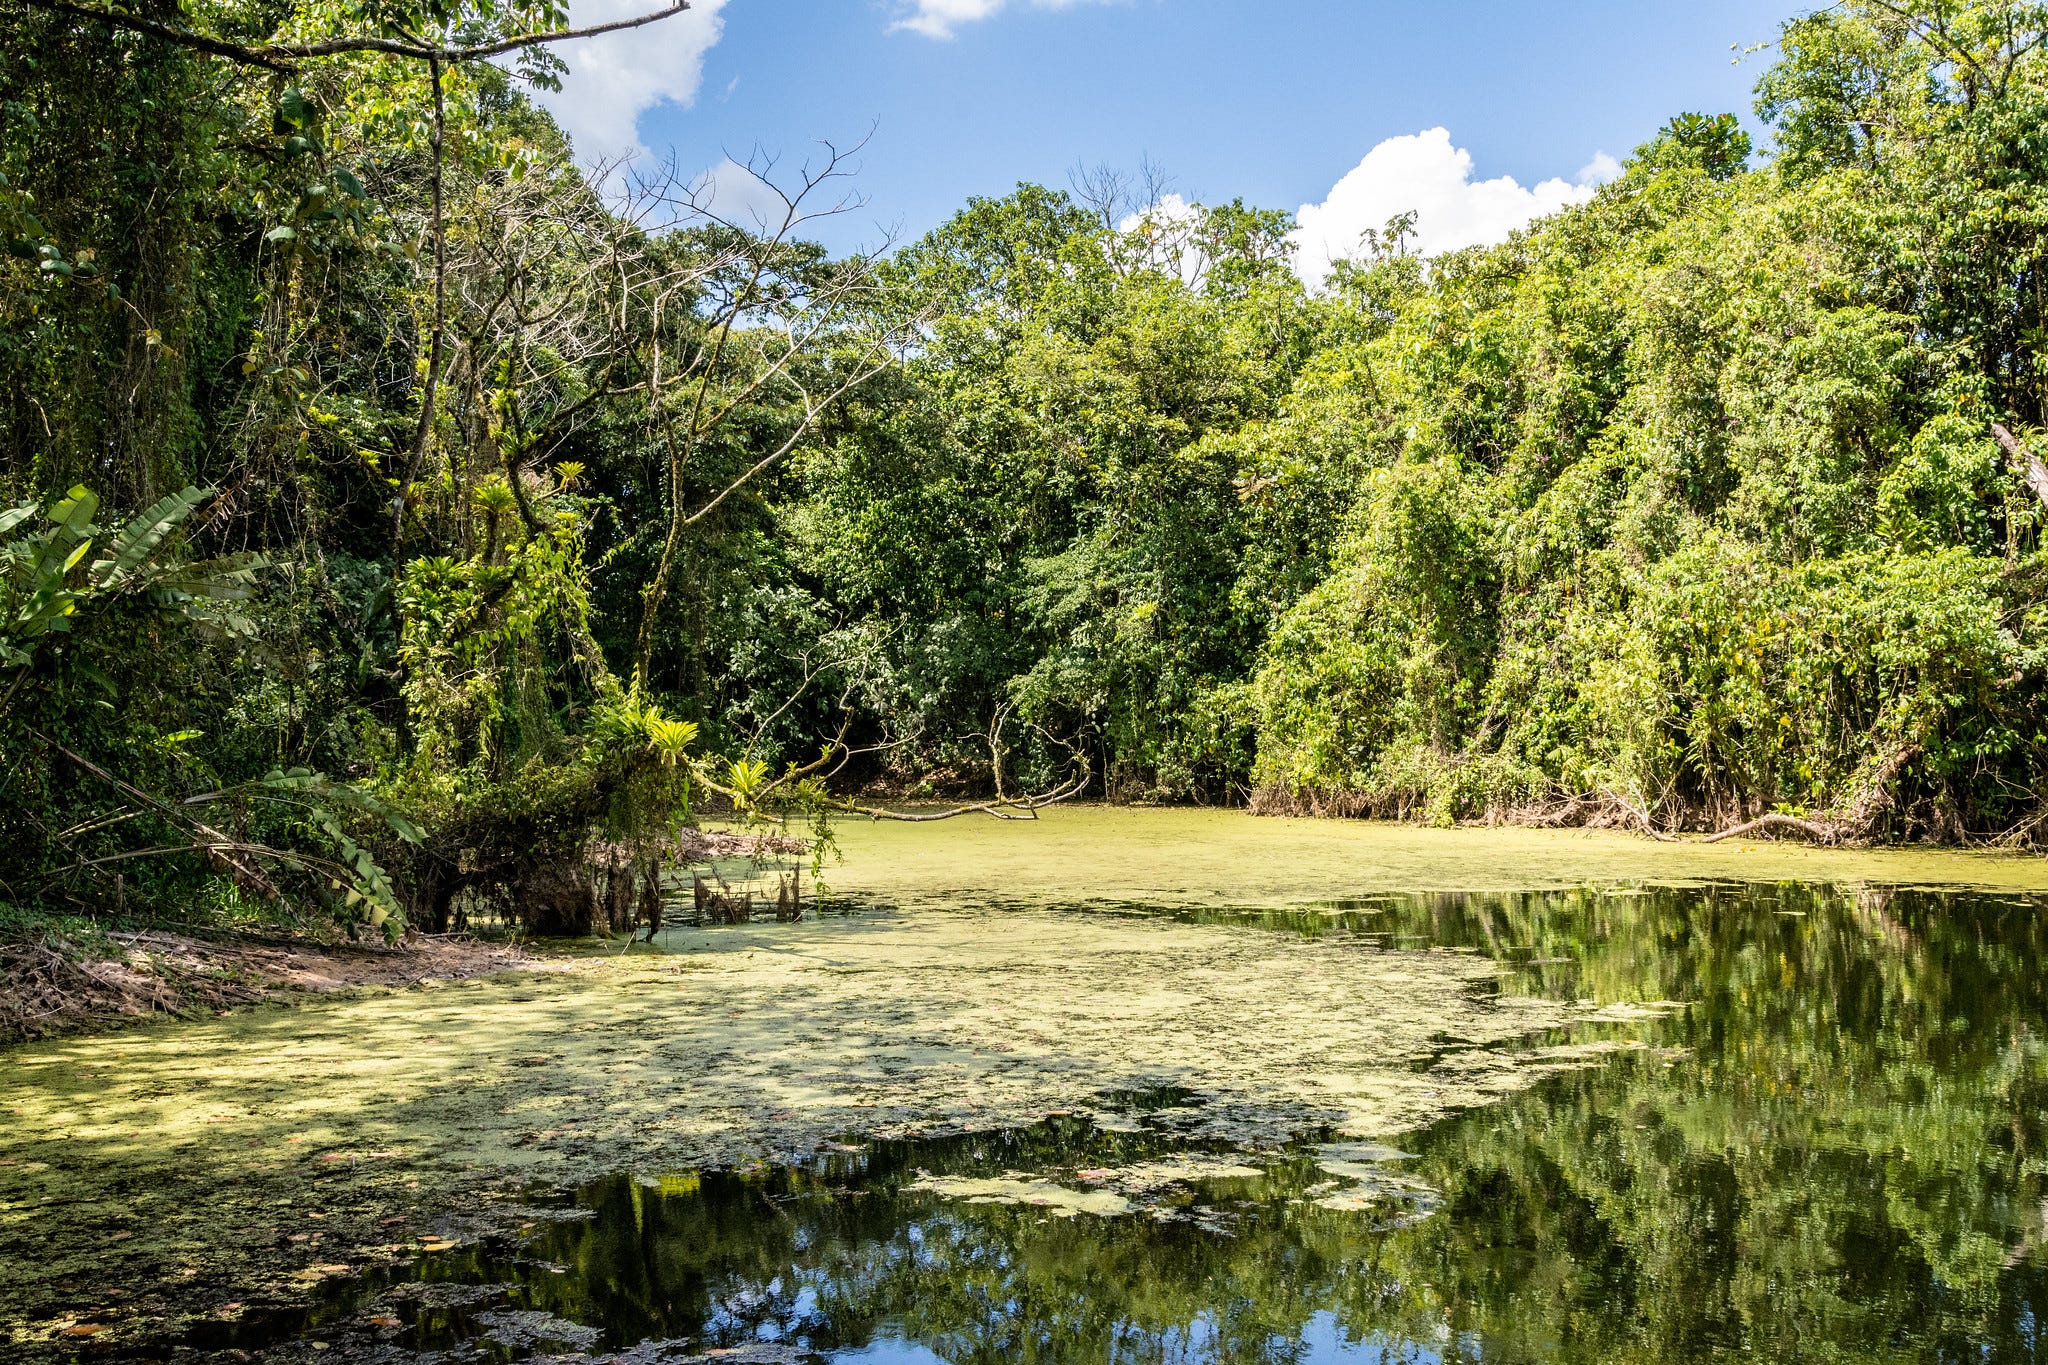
<point x="406" y="519"/>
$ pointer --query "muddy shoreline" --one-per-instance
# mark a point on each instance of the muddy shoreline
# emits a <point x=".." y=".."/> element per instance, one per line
<point x="52" y="991"/>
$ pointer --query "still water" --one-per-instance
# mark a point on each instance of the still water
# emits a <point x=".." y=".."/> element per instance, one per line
<point x="1832" y="1150"/>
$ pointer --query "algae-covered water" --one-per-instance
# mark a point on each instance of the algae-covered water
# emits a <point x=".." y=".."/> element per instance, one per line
<point x="1209" y="857"/>
<point x="1465" y="1095"/>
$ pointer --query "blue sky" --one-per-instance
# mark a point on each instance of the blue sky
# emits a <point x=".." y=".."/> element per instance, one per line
<point x="1275" y="102"/>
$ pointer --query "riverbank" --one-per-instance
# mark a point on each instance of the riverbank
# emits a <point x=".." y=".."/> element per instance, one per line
<point x="1070" y="856"/>
<point x="51" y="987"/>
<point x="71" y="978"/>
<point x="1288" y="977"/>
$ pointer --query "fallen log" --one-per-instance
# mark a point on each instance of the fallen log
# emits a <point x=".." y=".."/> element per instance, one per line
<point x="1829" y="835"/>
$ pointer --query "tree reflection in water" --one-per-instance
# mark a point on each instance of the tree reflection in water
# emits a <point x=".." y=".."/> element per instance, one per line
<point x="1833" y="1152"/>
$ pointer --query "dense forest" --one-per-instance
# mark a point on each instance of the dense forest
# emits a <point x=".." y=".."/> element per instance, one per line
<point x="404" y="518"/>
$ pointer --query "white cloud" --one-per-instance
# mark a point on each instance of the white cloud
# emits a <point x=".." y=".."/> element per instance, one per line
<point x="1601" y="169"/>
<point x="734" y="194"/>
<point x="941" y="18"/>
<point x="614" y="78"/>
<point x="1169" y="209"/>
<point x="1428" y="175"/>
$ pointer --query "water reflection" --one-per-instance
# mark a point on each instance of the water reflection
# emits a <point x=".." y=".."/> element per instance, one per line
<point x="1834" y="1152"/>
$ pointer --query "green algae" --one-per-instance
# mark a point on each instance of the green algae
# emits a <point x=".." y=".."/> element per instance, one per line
<point x="190" y="1171"/>
<point x="210" y="1147"/>
<point x="850" y="1248"/>
<point x="1156" y="1185"/>
<point x="1179" y="857"/>
<point x="1060" y="1201"/>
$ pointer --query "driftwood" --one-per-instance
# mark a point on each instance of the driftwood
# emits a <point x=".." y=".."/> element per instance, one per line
<point x="2025" y="463"/>
<point x="1855" y="825"/>
<point x="1645" y="824"/>
<point x="1784" y="824"/>
<point x="702" y="845"/>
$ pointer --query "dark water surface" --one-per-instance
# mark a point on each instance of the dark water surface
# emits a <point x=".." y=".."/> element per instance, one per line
<point x="1833" y="1152"/>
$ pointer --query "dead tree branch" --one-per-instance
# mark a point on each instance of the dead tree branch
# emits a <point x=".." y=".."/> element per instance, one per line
<point x="1781" y="824"/>
<point x="2025" y="462"/>
<point x="283" y="57"/>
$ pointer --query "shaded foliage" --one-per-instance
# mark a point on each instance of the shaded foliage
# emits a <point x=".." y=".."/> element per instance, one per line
<point x="1678" y="508"/>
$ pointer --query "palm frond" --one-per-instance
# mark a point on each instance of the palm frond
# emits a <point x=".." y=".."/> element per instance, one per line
<point x="140" y="538"/>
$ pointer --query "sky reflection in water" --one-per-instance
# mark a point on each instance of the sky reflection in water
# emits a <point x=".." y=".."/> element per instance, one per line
<point x="1834" y="1152"/>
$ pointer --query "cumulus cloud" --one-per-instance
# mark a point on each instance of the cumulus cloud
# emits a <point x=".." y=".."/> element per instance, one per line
<point x="1169" y="209"/>
<point x="614" y="78"/>
<point x="734" y="194"/>
<point x="1601" y="169"/>
<point x="941" y="18"/>
<point x="1430" y="176"/>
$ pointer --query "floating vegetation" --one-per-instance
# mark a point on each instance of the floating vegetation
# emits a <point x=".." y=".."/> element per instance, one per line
<point x="852" y="1137"/>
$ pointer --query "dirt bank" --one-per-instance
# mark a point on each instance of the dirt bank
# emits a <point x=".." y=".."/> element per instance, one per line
<point x="48" y="990"/>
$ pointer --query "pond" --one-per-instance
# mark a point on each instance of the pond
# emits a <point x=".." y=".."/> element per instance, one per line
<point x="1684" y="1117"/>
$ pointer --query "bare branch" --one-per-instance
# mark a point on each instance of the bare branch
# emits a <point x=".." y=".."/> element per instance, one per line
<point x="2025" y="463"/>
<point x="282" y="56"/>
<point x="1781" y="824"/>
<point x="812" y="411"/>
<point x="433" y="384"/>
<point x="1001" y="808"/>
<point x="198" y="42"/>
<point x="231" y="854"/>
<point x="762" y="319"/>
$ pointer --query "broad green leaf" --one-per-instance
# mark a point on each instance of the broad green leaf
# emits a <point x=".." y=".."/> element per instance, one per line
<point x="141" y="537"/>
<point x="294" y="110"/>
<point x="75" y="512"/>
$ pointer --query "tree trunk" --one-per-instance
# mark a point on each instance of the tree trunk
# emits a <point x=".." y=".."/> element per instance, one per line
<point x="650" y="896"/>
<point x="2025" y="463"/>
<point x="559" y="902"/>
